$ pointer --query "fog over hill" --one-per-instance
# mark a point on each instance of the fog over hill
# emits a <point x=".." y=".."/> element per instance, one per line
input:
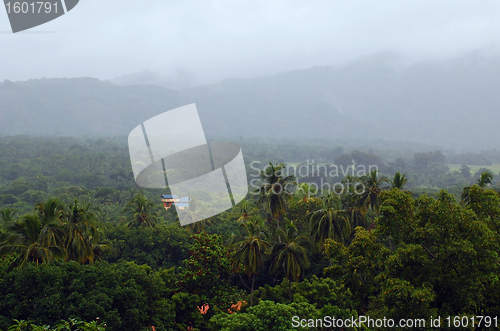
<point x="451" y="103"/>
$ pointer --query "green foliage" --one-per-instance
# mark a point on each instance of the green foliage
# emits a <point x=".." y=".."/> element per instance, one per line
<point x="318" y="291"/>
<point x="70" y="325"/>
<point x="398" y="215"/>
<point x="373" y="185"/>
<point x="485" y="203"/>
<point x="267" y="315"/>
<point x="276" y="190"/>
<point x="330" y="221"/>
<point x="250" y="250"/>
<point x="207" y="271"/>
<point x="18" y="186"/>
<point x="8" y="199"/>
<point x="446" y="257"/>
<point x="485" y="179"/>
<point x="357" y="265"/>
<point x="305" y="202"/>
<point x="126" y="296"/>
<point x="386" y="252"/>
<point x="163" y="246"/>
<point x="465" y="171"/>
<point x="31" y="240"/>
<point x="140" y="212"/>
<point x="186" y="310"/>
<point x="53" y="232"/>
<point x="399" y="181"/>
<point x="289" y="254"/>
<point x="402" y="300"/>
<point x="79" y="228"/>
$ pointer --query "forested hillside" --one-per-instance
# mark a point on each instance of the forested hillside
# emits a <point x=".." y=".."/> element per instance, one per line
<point x="81" y="246"/>
<point x="450" y="104"/>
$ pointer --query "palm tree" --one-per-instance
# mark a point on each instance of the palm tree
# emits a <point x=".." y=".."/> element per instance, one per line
<point x="484" y="180"/>
<point x="199" y="226"/>
<point x="32" y="241"/>
<point x="115" y="197"/>
<point x="399" y="181"/>
<point x="250" y="251"/>
<point x="140" y="212"/>
<point x="276" y="190"/>
<point x="290" y="255"/>
<point x="373" y="185"/>
<point x="351" y="204"/>
<point x="244" y="211"/>
<point x="7" y="215"/>
<point x="193" y="215"/>
<point x="80" y="227"/>
<point x="329" y="222"/>
<point x="304" y="193"/>
<point x="51" y="211"/>
<point x="98" y="247"/>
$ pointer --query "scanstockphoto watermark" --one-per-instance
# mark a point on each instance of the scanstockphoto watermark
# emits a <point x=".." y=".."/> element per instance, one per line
<point x="360" y="322"/>
<point x="308" y="170"/>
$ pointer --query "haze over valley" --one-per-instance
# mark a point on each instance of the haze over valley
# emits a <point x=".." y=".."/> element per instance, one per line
<point x="453" y="104"/>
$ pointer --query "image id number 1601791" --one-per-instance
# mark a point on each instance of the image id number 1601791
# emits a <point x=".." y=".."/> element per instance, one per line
<point x="465" y="321"/>
<point x="34" y="7"/>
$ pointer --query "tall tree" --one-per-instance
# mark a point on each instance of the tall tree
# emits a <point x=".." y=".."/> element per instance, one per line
<point x="51" y="211"/>
<point x="373" y="185"/>
<point x="465" y="171"/>
<point x="250" y="250"/>
<point x="98" y="247"/>
<point x="351" y="203"/>
<point x="79" y="228"/>
<point x="276" y="190"/>
<point x="31" y="241"/>
<point x="207" y="270"/>
<point x="484" y="180"/>
<point x="140" y="212"/>
<point x="7" y="215"/>
<point x="329" y="222"/>
<point x="192" y="214"/>
<point x="289" y="256"/>
<point x="399" y="181"/>
<point x="244" y="211"/>
<point x="304" y="193"/>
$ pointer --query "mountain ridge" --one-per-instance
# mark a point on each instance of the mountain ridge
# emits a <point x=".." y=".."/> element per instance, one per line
<point x="453" y="104"/>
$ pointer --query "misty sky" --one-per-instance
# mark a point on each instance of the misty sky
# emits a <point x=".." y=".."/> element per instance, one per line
<point x="218" y="39"/>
